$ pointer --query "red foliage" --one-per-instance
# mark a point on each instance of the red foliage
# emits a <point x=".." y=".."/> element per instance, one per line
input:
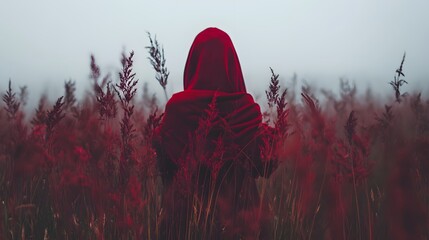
<point x="86" y="169"/>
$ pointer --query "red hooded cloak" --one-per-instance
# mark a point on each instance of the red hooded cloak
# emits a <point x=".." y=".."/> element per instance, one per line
<point x="212" y="132"/>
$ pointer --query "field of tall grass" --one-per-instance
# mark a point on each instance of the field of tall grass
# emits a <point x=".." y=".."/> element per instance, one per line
<point x="349" y="168"/>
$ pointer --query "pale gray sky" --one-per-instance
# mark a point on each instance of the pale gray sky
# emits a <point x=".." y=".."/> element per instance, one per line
<point x="44" y="42"/>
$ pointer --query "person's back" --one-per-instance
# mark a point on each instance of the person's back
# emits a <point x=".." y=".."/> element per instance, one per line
<point x="209" y="149"/>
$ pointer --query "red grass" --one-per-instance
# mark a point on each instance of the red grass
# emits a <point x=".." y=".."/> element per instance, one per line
<point x="86" y="169"/>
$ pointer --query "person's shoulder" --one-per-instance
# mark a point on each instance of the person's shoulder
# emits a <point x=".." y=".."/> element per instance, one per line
<point x="249" y="96"/>
<point x="176" y="99"/>
<point x="190" y="96"/>
<point x="182" y="99"/>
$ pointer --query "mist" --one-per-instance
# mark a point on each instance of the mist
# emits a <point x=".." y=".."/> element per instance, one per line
<point x="45" y="43"/>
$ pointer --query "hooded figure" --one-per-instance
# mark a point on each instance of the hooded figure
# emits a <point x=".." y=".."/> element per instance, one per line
<point x="210" y="149"/>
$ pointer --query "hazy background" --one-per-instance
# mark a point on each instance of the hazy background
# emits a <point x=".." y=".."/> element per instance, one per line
<point x="44" y="43"/>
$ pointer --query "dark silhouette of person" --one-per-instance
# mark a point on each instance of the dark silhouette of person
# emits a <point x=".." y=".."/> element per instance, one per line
<point x="209" y="148"/>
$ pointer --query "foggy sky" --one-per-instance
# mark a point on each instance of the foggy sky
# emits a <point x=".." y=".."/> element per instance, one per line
<point x="44" y="43"/>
